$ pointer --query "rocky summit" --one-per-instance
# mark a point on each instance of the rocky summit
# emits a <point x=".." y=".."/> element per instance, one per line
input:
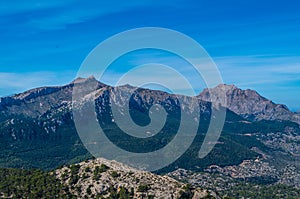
<point x="248" y="103"/>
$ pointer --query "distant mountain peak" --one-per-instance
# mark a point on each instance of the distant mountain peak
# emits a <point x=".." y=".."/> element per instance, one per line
<point x="227" y="86"/>
<point x="247" y="103"/>
<point x="84" y="79"/>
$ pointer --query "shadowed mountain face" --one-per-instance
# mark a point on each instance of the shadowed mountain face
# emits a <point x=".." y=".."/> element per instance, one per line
<point x="37" y="127"/>
<point x="248" y="104"/>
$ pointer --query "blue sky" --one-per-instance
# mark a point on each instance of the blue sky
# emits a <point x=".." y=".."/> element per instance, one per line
<point x="255" y="44"/>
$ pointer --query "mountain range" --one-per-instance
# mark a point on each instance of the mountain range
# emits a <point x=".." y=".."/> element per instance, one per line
<point x="37" y="130"/>
<point x="246" y="103"/>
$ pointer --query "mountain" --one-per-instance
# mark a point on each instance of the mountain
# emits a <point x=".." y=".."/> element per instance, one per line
<point x="101" y="177"/>
<point x="97" y="178"/>
<point x="38" y="102"/>
<point x="248" y="103"/>
<point x="37" y="129"/>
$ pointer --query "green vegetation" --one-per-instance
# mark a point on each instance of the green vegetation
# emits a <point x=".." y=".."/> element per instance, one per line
<point x="186" y="193"/>
<point x="121" y="193"/>
<point x="102" y="168"/>
<point x="143" y="188"/>
<point x="115" y="174"/>
<point x="38" y="149"/>
<point x="87" y="169"/>
<point x="35" y="148"/>
<point x="18" y="183"/>
<point x="74" y="174"/>
<point x="98" y="170"/>
<point x="255" y="191"/>
<point x="89" y="191"/>
<point x="124" y="193"/>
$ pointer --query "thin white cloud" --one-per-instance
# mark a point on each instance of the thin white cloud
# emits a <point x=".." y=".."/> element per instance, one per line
<point x="20" y="6"/>
<point x="47" y="15"/>
<point x="259" y="66"/>
<point x="79" y="11"/>
<point x="11" y="83"/>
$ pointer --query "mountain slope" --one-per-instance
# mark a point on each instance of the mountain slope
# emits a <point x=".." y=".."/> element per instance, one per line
<point x="98" y="178"/>
<point x="104" y="178"/>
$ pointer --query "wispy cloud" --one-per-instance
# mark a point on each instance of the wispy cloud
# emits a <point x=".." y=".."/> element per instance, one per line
<point x="276" y="77"/>
<point x="19" y="6"/>
<point x="11" y="83"/>
<point x="257" y="69"/>
<point x="51" y="15"/>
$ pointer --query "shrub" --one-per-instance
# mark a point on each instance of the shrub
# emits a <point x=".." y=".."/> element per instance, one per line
<point x="143" y="188"/>
<point x="114" y="174"/>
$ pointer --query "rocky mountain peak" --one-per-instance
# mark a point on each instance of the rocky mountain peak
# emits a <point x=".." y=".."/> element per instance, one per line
<point x="247" y="103"/>
<point x="83" y="79"/>
<point x="226" y="87"/>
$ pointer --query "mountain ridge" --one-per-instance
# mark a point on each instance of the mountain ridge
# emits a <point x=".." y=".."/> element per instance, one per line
<point x="248" y="103"/>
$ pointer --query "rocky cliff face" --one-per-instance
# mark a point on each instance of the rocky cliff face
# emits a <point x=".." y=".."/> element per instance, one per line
<point x="248" y="103"/>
